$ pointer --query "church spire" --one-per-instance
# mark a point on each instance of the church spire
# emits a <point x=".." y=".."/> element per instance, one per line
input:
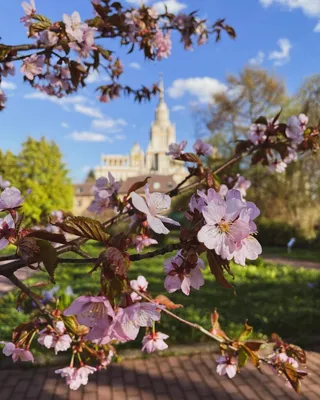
<point x="162" y="111"/>
<point x="161" y="87"/>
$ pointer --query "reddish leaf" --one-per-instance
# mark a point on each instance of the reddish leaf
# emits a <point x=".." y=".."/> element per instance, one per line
<point x="161" y="299"/>
<point x="138" y="185"/>
<point x="254" y="345"/>
<point x="190" y="157"/>
<point x="51" y="237"/>
<point x="216" y="263"/>
<point x="83" y="226"/>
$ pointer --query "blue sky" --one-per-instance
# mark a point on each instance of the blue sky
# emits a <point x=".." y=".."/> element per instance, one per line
<point x="280" y="35"/>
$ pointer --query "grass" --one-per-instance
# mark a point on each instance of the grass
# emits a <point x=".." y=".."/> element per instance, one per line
<point x="295" y="254"/>
<point x="273" y="298"/>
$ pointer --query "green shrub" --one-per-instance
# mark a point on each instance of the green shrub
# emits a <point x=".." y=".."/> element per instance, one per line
<point x="275" y="233"/>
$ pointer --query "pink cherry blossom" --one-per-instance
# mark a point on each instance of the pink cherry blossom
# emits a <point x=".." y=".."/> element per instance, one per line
<point x="86" y="44"/>
<point x="48" y="38"/>
<point x="10" y="198"/>
<point x="91" y="310"/>
<point x="142" y="241"/>
<point x="3" y="99"/>
<point x="17" y="353"/>
<point x="109" y="184"/>
<point x="7" y="229"/>
<point x="242" y="184"/>
<point x="154" y="341"/>
<point x="202" y="148"/>
<point x="3" y="183"/>
<point x="72" y="380"/>
<point x="224" y="227"/>
<point x="278" y="166"/>
<point x="295" y="129"/>
<point x="257" y="133"/>
<point x="196" y="203"/>
<point x="74" y="26"/>
<point x="162" y="43"/>
<point x="182" y="275"/>
<point x="32" y="66"/>
<point x="154" y="205"/>
<point x="127" y="323"/>
<point x="140" y="284"/>
<point x="8" y="69"/>
<point x="55" y="338"/>
<point x="101" y="202"/>
<point x="176" y="149"/>
<point x="292" y="156"/>
<point x="303" y="121"/>
<point x="29" y="10"/>
<point x="75" y="377"/>
<point x="226" y="366"/>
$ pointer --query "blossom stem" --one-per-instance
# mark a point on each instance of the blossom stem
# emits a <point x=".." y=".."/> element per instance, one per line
<point x="184" y="321"/>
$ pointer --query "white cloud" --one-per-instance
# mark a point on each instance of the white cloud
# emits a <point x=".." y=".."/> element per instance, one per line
<point x="173" y="6"/>
<point x="8" y="85"/>
<point x="95" y="77"/>
<point x="110" y="125"/>
<point x="202" y="88"/>
<point x="281" y="56"/>
<point x="120" y="137"/>
<point x="64" y="102"/>
<point x="86" y="136"/>
<point x="258" y="59"/>
<point x="64" y="125"/>
<point x="311" y="8"/>
<point x="135" y="65"/>
<point x="178" y="108"/>
<point x="88" y="111"/>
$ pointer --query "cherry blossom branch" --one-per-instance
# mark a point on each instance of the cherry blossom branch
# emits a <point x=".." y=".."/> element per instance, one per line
<point x="133" y="257"/>
<point x="9" y="268"/>
<point x="26" y="290"/>
<point x="182" y="320"/>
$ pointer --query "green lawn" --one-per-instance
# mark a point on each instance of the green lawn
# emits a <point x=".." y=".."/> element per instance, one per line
<point x="295" y="254"/>
<point x="273" y="298"/>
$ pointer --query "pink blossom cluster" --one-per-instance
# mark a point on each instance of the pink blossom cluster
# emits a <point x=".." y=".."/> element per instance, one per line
<point x="229" y="225"/>
<point x="182" y="274"/>
<point x="162" y="44"/>
<point x="17" y="353"/>
<point x="75" y="377"/>
<point x="153" y="206"/>
<point x="257" y="133"/>
<point x="106" y="324"/>
<point x="242" y="184"/>
<point x="104" y="190"/>
<point x="55" y="337"/>
<point x="200" y="147"/>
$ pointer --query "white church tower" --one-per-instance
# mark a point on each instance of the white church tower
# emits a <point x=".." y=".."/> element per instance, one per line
<point x="154" y="161"/>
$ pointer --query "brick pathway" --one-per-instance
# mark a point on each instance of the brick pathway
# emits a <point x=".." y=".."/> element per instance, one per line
<point x="172" y="378"/>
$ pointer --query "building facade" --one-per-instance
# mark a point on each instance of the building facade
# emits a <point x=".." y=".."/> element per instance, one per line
<point x="165" y="173"/>
<point x="152" y="162"/>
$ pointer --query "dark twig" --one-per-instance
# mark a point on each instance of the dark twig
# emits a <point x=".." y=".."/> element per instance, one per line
<point x="26" y="290"/>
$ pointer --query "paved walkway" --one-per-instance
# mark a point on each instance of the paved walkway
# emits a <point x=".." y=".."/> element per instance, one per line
<point x="290" y="261"/>
<point x="172" y="378"/>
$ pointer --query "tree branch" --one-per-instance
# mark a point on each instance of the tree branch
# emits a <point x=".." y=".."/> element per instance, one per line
<point x="184" y="321"/>
<point x="26" y="290"/>
<point x="132" y="257"/>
